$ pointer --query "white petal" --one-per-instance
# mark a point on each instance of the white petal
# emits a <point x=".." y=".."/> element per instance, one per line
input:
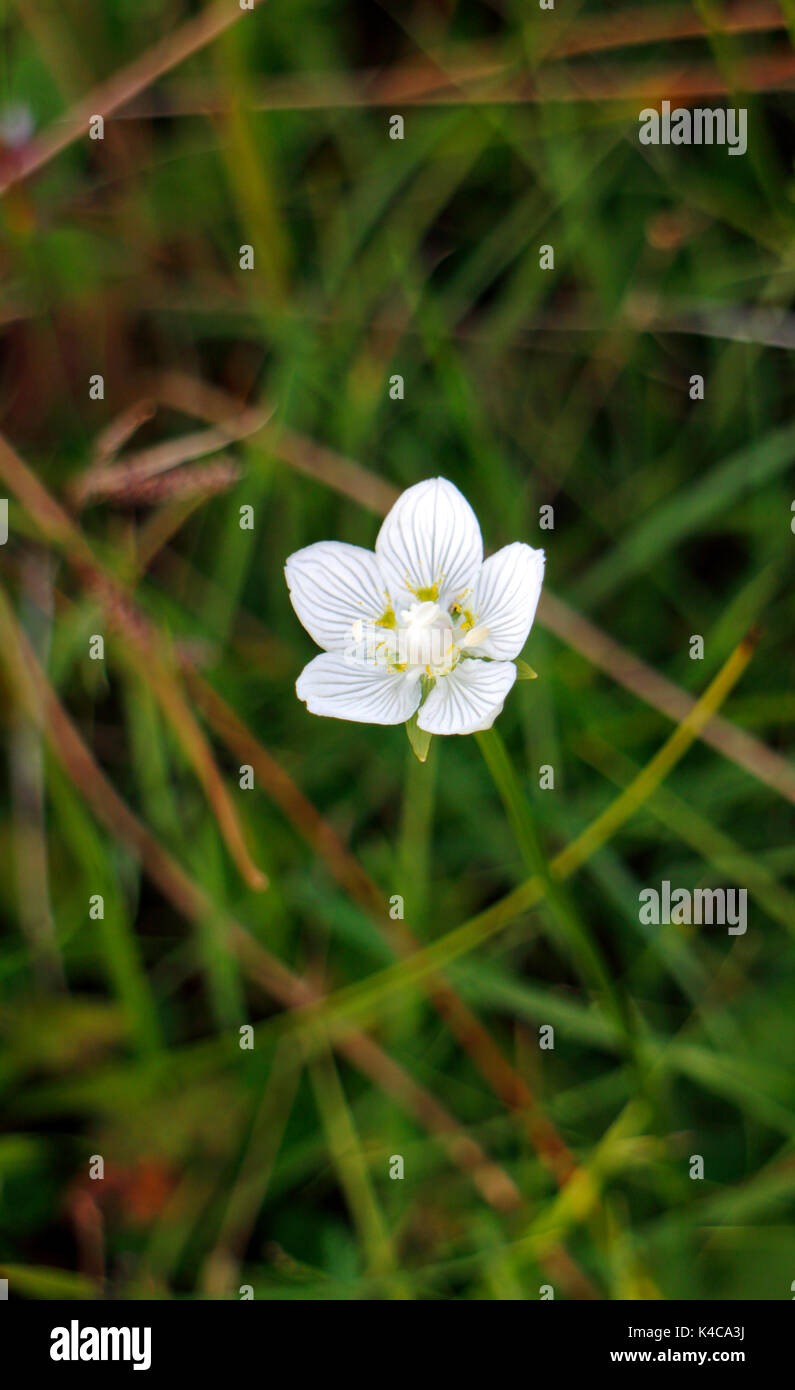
<point x="344" y="689"/>
<point x="488" y="721"/>
<point x="506" y="598"/>
<point x="469" y="699"/>
<point x="331" y="586"/>
<point x="430" y="538"/>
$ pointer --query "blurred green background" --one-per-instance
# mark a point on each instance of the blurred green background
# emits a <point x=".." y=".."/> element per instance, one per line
<point x="269" y="1167"/>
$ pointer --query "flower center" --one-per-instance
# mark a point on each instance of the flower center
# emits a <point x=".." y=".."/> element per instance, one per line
<point x="425" y="637"/>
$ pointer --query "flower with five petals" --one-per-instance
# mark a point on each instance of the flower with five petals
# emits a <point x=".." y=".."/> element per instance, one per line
<point x="422" y="625"/>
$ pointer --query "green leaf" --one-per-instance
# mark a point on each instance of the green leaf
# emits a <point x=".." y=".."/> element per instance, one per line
<point x="525" y="672"/>
<point x="420" y="740"/>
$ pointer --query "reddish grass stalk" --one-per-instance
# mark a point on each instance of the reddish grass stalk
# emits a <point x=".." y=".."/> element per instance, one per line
<point x="142" y="649"/>
<point x="164" y="55"/>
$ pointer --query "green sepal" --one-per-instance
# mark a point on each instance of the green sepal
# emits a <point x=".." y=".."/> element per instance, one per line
<point x="525" y="672"/>
<point x="418" y="738"/>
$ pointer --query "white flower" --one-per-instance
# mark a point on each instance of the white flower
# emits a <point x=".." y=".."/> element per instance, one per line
<point x="424" y="613"/>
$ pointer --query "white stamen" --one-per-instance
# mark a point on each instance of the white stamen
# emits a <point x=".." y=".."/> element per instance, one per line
<point x="475" y="636"/>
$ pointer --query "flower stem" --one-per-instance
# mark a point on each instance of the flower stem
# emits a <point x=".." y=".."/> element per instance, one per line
<point x="414" y="844"/>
